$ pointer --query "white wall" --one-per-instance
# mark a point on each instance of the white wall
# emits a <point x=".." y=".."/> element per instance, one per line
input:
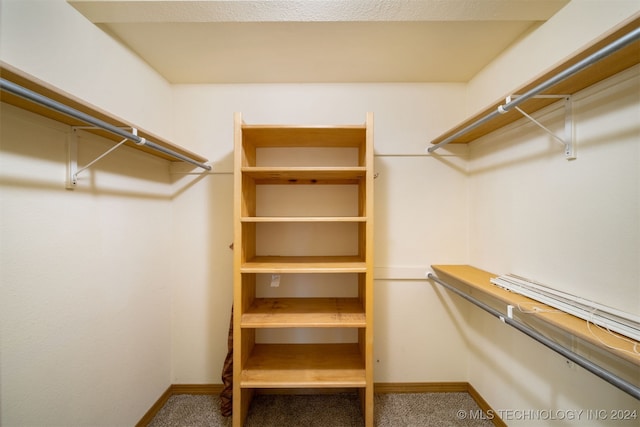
<point x="416" y="224"/>
<point x="574" y="225"/>
<point x="85" y="295"/>
<point x="569" y="30"/>
<point x="571" y="224"/>
<point x="53" y="42"/>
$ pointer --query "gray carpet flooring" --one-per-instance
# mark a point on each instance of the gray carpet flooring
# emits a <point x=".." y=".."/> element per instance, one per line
<point x="327" y="410"/>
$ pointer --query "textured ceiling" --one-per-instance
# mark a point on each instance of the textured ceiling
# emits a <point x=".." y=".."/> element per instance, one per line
<point x="240" y="41"/>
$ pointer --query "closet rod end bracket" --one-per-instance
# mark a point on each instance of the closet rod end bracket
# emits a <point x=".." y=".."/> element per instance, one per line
<point x="72" y="160"/>
<point x="569" y="136"/>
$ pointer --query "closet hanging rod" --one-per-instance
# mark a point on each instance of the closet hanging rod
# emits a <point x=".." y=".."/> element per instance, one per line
<point x="614" y="46"/>
<point x="609" y="377"/>
<point x="72" y="112"/>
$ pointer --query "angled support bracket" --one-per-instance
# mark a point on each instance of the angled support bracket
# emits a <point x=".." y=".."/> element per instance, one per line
<point x="568" y="140"/>
<point x="72" y="155"/>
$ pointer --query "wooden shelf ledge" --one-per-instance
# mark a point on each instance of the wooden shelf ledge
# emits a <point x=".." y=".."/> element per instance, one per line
<point x="27" y="81"/>
<point x="305" y="264"/>
<point x="480" y="280"/>
<point x="305" y="313"/>
<point x="304" y="136"/>
<point x="304" y="366"/>
<point x="285" y="219"/>
<point x="605" y="68"/>
<point x="305" y="175"/>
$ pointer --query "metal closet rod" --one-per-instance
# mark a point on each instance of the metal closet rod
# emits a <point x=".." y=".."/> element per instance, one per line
<point x="72" y="112"/>
<point x="614" y="46"/>
<point x="609" y="377"/>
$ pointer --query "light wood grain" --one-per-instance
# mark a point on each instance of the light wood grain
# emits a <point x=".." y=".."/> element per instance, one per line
<point x="304" y="219"/>
<point x="304" y="136"/>
<point x="305" y="175"/>
<point x="312" y="366"/>
<point x="305" y="312"/>
<point x="480" y="281"/>
<point x="305" y="264"/>
<point x="304" y="365"/>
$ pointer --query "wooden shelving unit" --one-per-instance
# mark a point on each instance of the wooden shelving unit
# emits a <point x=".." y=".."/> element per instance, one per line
<point x="341" y="158"/>
<point x="614" y="63"/>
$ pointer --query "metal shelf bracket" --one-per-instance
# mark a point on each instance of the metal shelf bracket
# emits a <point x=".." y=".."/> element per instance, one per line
<point x="568" y="140"/>
<point x="72" y="154"/>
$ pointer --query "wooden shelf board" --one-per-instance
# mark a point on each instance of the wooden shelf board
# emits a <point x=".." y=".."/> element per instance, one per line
<point x="304" y="136"/>
<point x="304" y="312"/>
<point x="305" y="175"/>
<point x="606" y="67"/>
<point x="304" y="264"/>
<point x="480" y="280"/>
<point x="304" y="366"/>
<point x="303" y="219"/>
<point x="27" y="81"/>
